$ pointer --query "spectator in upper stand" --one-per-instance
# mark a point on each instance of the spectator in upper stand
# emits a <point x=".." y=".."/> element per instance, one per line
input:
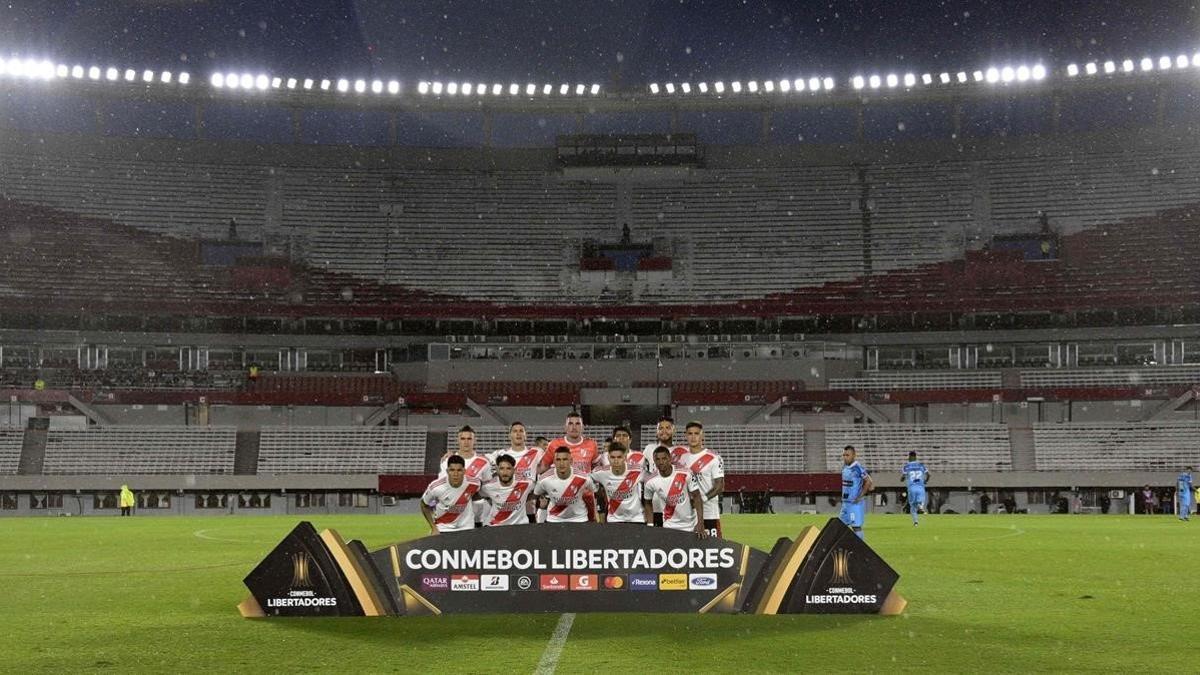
<point x="39" y="384"/>
<point x="233" y="229"/>
<point x="626" y="237"/>
<point x="126" y="501"/>
<point x="253" y="373"/>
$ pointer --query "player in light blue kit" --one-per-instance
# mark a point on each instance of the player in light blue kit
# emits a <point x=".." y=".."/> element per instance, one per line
<point x="1183" y="491"/>
<point x="915" y="476"/>
<point x="856" y="484"/>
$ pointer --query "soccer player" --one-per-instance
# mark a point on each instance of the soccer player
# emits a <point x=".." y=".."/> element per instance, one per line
<point x="664" y="435"/>
<point x="856" y="485"/>
<point x="915" y="476"/>
<point x="447" y="501"/>
<point x="621" y="482"/>
<point x="679" y="493"/>
<point x="528" y="460"/>
<point x="507" y="494"/>
<point x="563" y="490"/>
<point x="478" y="466"/>
<point x="709" y="470"/>
<point x="585" y="453"/>
<point x="1183" y="486"/>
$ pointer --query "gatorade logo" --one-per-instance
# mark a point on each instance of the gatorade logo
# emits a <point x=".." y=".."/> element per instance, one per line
<point x="584" y="582"/>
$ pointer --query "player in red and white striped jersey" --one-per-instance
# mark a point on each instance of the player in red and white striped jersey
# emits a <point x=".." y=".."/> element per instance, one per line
<point x="447" y="502"/>
<point x="507" y="494"/>
<point x="563" y="491"/>
<point x="679" y="494"/>
<point x="709" y="470"/>
<point x="664" y="435"/>
<point x="478" y="466"/>
<point x="622" y="485"/>
<point x="529" y="460"/>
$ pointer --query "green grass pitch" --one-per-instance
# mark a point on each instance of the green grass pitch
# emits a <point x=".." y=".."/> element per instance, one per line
<point x="986" y="593"/>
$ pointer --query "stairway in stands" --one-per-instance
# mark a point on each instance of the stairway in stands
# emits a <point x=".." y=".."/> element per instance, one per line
<point x="33" y="452"/>
<point x="245" y="452"/>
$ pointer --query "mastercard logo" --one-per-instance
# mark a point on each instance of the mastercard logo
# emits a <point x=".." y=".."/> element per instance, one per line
<point x="614" y="583"/>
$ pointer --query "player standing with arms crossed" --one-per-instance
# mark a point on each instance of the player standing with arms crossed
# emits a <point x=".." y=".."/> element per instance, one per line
<point x="915" y="476"/>
<point x="447" y="502"/>
<point x="856" y="484"/>
<point x="679" y="493"/>
<point x="709" y="470"/>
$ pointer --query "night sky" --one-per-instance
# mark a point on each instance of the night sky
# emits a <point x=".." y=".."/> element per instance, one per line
<point x="625" y="42"/>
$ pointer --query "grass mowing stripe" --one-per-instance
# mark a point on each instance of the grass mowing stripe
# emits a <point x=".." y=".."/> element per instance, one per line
<point x="549" y="662"/>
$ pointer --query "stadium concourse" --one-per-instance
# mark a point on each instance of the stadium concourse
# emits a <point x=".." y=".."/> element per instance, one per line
<point x="278" y="299"/>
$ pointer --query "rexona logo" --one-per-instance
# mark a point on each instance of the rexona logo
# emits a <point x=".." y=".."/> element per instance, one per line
<point x="584" y="582"/>
<point x="435" y="582"/>
<point x="672" y="582"/>
<point x="554" y="582"/>
<point x="525" y="583"/>
<point x="464" y="582"/>
<point x="613" y="582"/>
<point x="493" y="582"/>
<point x="643" y="582"/>
<point x="702" y="582"/>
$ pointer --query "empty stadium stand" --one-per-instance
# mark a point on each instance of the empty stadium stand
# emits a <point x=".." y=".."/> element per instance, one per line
<point x="523" y="393"/>
<point x="140" y="450"/>
<point x="1110" y="377"/>
<point x="884" y="381"/>
<point x="10" y="449"/>
<point x="342" y="450"/>
<point x="942" y="447"/>
<point x="491" y="439"/>
<point x="715" y="392"/>
<point x="1117" y="446"/>
<point x="751" y="448"/>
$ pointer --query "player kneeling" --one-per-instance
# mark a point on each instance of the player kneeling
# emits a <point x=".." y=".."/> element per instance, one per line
<point x="679" y="493"/>
<point x="563" y="491"/>
<point x="622" y="485"/>
<point x="507" y="494"/>
<point x="447" y="502"/>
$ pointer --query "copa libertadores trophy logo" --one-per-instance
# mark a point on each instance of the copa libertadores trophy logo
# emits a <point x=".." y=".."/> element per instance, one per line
<point x="570" y="568"/>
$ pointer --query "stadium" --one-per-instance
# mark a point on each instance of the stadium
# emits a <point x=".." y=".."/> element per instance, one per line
<point x="264" y="296"/>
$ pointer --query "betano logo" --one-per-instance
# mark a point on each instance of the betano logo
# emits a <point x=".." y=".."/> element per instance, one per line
<point x="300" y="572"/>
<point x="841" y="567"/>
<point x="672" y="582"/>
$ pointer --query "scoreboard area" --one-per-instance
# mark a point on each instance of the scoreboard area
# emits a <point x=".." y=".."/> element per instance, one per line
<point x="995" y="592"/>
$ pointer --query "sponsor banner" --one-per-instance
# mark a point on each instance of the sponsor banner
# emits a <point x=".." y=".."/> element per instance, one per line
<point x="557" y="568"/>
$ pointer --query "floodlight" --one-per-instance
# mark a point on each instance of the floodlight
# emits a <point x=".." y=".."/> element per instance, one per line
<point x="165" y="77"/>
<point x="184" y="78"/>
<point x="1022" y="73"/>
<point x="393" y="87"/>
<point x="451" y="88"/>
<point x="892" y="80"/>
<point x="1181" y="61"/>
<point x="77" y="72"/>
<point x="530" y="89"/>
<point x="580" y="89"/>
<point x="130" y="75"/>
<point x="1072" y="70"/>
<point x="595" y="90"/>
<point x="1007" y="74"/>
<point x="1164" y="63"/>
<point x="325" y="85"/>
<point x="246" y="81"/>
<point x="110" y="74"/>
<point x="909" y="79"/>
<point x="61" y="70"/>
<point x="291" y="83"/>
<point x="752" y="86"/>
<point x="719" y="87"/>
<point x="977" y="76"/>
<point x="686" y="88"/>
<point x="217" y="80"/>
<point x="360" y="86"/>
<point x="703" y="87"/>
<point x="466" y="88"/>
<point x="653" y="87"/>
<point x="785" y="85"/>
<point x="563" y="89"/>
<point x="874" y="81"/>
<point x="1127" y="65"/>
<point x="735" y="86"/>
<point x="148" y="76"/>
<point x="769" y="85"/>
<point x="670" y="87"/>
<point x="799" y="84"/>
<point x="962" y="77"/>
<point x="514" y="89"/>
<point x="944" y="78"/>
<point x="308" y="83"/>
<point x="262" y="82"/>
<point x="343" y="85"/>
<point x="1147" y="65"/>
<point x="1110" y="67"/>
<point x="276" y="82"/>
<point x="927" y="79"/>
<point x="827" y="83"/>
<point x="1038" y="72"/>
<point x="857" y="82"/>
<point x="436" y="88"/>
<point x="547" y="89"/>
